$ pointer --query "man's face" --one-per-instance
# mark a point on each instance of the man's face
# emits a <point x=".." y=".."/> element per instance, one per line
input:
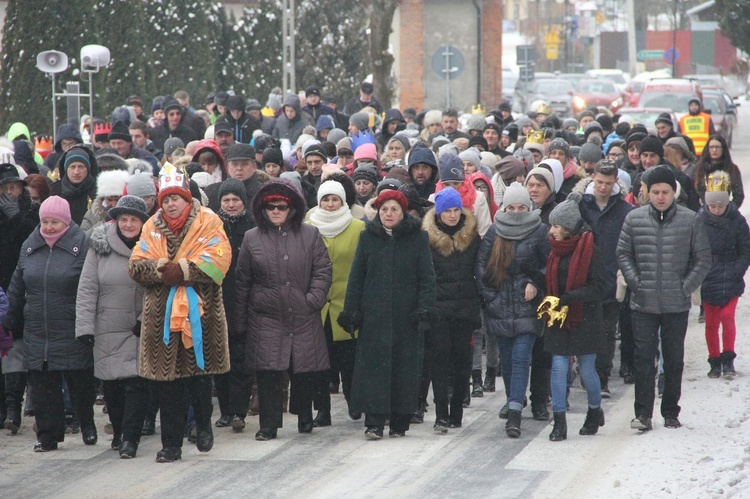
<point x="137" y="109"/>
<point x="236" y="114"/>
<point x="242" y="169"/>
<point x="66" y="144"/>
<point x="314" y="165"/>
<point x="12" y="189"/>
<point x="159" y="114"/>
<point x="492" y="137"/>
<point x="694" y="108"/>
<point x="122" y="147"/>
<point x="603" y="185"/>
<point x="559" y="155"/>
<point x="173" y="118"/>
<point x="255" y="113"/>
<point x="184" y="102"/>
<point x="663" y="130"/>
<point x="585" y="121"/>
<point x="364" y="97"/>
<point x="661" y="196"/>
<point x="77" y="172"/>
<point x="649" y="159"/>
<point x="139" y="139"/>
<point x="111" y="201"/>
<point x="421" y="173"/>
<point x="290" y="112"/>
<point x="449" y="124"/>
<point x="313" y="99"/>
<point x="225" y="140"/>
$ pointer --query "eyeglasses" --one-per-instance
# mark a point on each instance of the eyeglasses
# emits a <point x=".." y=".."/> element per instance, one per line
<point x="273" y="207"/>
<point x="615" y="155"/>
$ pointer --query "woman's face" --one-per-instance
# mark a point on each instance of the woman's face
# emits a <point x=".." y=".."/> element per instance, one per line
<point x="633" y="155"/>
<point x="232" y="204"/>
<point x="615" y="153"/>
<point x="538" y="191"/>
<point x="129" y="225"/>
<point x="34" y="195"/>
<point x="717" y="209"/>
<point x="390" y="214"/>
<point x="51" y="226"/>
<point x="451" y="216"/>
<point x="363" y="187"/>
<point x="559" y="233"/>
<point x="331" y="202"/>
<point x="469" y="168"/>
<point x="277" y="212"/>
<point x="715" y="150"/>
<point x="273" y="170"/>
<point x="505" y="140"/>
<point x="396" y="150"/>
<point x="516" y="208"/>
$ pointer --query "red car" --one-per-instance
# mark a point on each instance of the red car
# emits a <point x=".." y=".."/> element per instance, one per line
<point x="594" y="93"/>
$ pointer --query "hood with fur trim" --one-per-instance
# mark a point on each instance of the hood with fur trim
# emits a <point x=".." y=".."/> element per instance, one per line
<point x="276" y="186"/>
<point x="445" y="244"/>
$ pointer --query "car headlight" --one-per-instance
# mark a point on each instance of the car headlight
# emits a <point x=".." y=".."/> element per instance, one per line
<point x="616" y="103"/>
<point x="578" y="102"/>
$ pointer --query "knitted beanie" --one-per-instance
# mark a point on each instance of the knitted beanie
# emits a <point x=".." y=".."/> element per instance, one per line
<point x="471" y="155"/>
<point x="446" y="199"/>
<point x="515" y="193"/>
<point x="272" y="155"/>
<point x="590" y="152"/>
<point x="57" y="208"/>
<point x="140" y="184"/>
<point x="652" y="144"/>
<point x="546" y="174"/>
<point x="360" y="120"/>
<point x="331" y="187"/>
<point x="366" y="171"/>
<point x="233" y="186"/>
<point x="451" y="168"/>
<point x="567" y="214"/>
<point x="661" y="174"/>
<point x="559" y="143"/>
<point x="395" y="195"/>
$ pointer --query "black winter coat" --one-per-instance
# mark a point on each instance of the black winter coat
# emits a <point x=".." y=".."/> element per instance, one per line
<point x="453" y="256"/>
<point x="243" y="128"/>
<point x="13" y="232"/>
<point x="506" y="311"/>
<point x="235" y="233"/>
<point x="730" y="249"/>
<point x="606" y="225"/>
<point x="162" y="132"/>
<point x="391" y="289"/>
<point x="42" y="297"/>
<point x="588" y="337"/>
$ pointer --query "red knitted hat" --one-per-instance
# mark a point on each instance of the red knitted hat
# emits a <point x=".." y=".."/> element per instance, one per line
<point x="389" y="194"/>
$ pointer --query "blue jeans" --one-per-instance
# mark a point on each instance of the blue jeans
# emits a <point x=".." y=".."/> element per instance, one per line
<point x="559" y="381"/>
<point x="515" y="355"/>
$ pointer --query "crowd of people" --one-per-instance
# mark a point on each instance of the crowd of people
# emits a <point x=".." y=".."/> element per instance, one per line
<point x="272" y="256"/>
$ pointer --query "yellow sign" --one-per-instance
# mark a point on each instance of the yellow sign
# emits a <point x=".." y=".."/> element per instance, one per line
<point x="552" y="42"/>
<point x="552" y="38"/>
<point x="600" y="19"/>
<point x="552" y="52"/>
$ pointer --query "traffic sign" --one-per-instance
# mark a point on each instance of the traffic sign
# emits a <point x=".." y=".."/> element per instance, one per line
<point x="650" y="55"/>
<point x="671" y="55"/>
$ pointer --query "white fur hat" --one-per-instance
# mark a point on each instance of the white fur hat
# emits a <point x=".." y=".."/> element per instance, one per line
<point x="111" y="183"/>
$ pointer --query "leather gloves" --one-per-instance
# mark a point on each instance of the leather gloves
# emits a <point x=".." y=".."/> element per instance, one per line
<point x="171" y="274"/>
<point x="86" y="340"/>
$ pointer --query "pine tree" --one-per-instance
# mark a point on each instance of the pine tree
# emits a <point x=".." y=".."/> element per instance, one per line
<point x="332" y="46"/>
<point x="25" y="92"/>
<point x="260" y="48"/>
<point x="129" y="71"/>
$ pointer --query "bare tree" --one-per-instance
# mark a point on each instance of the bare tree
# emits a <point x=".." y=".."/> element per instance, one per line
<point x="381" y="21"/>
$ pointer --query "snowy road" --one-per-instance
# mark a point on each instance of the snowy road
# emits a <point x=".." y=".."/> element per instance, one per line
<point x="708" y="457"/>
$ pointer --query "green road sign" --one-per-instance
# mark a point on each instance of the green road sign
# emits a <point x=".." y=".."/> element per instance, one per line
<point x="650" y="55"/>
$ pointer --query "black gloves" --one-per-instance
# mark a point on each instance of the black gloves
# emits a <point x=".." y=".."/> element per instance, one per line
<point x="86" y="340"/>
<point x="9" y="206"/>
<point x="565" y="300"/>
<point x="349" y="322"/>
<point x="137" y="329"/>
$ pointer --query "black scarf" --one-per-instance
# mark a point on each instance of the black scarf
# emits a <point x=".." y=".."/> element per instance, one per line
<point x="70" y="190"/>
<point x="129" y="242"/>
<point x="230" y="219"/>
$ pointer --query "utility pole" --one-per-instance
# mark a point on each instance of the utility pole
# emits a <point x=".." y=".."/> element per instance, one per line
<point x="632" y="55"/>
<point x="289" y="85"/>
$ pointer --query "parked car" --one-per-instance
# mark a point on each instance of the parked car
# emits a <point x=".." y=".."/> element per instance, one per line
<point x="616" y="76"/>
<point x="646" y="116"/>
<point x="601" y="92"/>
<point x="632" y="92"/>
<point x="723" y="110"/>
<point x="731" y="84"/>
<point x="556" y="93"/>
<point x="672" y="93"/>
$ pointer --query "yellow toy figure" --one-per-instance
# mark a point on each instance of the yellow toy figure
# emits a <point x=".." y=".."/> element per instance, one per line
<point x="549" y="306"/>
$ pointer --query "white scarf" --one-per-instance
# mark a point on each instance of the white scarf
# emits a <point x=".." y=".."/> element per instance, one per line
<point x="331" y="223"/>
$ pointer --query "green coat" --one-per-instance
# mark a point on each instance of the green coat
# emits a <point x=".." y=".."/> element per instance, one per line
<point x="391" y="289"/>
<point x="341" y="252"/>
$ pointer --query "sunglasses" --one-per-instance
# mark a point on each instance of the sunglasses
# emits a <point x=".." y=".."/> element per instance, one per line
<point x="281" y="207"/>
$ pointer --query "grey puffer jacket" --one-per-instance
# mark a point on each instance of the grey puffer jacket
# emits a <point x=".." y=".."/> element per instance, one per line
<point x="108" y="305"/>
<point x="42" y="298"/>
<point x="663" y="257"/>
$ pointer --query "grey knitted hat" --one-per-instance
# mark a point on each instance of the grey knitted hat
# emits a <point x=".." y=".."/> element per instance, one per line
<point x="141" y="184"/>
<point x="590" y="152"/>
<point x="233" y="186"/>
<point x="172" y="144"/>
<point x="360" y="120"/>
<point x="130" y="205"/>
<point x="567" y="214"/>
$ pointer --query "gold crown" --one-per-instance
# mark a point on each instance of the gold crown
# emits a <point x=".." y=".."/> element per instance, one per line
<point x="536" y="136"/>
<point x="478" y="109"/>
<point x="718" y="181"/>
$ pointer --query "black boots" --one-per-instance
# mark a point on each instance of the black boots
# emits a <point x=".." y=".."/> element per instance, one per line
<point x="204" y="439"/>
<point x="323" y="418"/>
<point x="489" y="380"/>
<point x="88" y="434"/>
<point x="476" y="380"/>
<point x="513" y="425"/>
<point x="169" y="455"/>
<point x="594" y="419"/>
<point x="727" y="363"/>
<point x="128" y="449"/>
<point x="715" y="363"/>
<point x="560" y="430"/>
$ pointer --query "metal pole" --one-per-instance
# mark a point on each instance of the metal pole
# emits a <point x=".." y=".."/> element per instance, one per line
<point x="91" y="108"/>
<point x="674" y="40"/>
<point x="54" y="111"/>
<point x="288" y="49"/>
<point x="447" y="72"/>
<point x="630" y="12"/>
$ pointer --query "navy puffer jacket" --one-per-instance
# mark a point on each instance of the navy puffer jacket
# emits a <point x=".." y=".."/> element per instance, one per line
<point x="730" y="248"/>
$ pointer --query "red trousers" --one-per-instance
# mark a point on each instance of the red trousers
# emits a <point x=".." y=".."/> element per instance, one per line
<point x="724" y="316"/>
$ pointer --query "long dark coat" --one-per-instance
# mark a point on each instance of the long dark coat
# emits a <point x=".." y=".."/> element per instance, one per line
<point x="162" y="362"/>
<point x="588" y="337"/>
<point x="42" y="297"/>
<point x="392" y="288"/>
<point x="282" y="282"/>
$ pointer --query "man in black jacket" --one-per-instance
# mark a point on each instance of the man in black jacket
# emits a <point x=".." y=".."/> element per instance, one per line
<point x="314" y="107"/>
<point x="172" y="126"/>
<point x="243" y="125"/>
<point x="241" y="165"/>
